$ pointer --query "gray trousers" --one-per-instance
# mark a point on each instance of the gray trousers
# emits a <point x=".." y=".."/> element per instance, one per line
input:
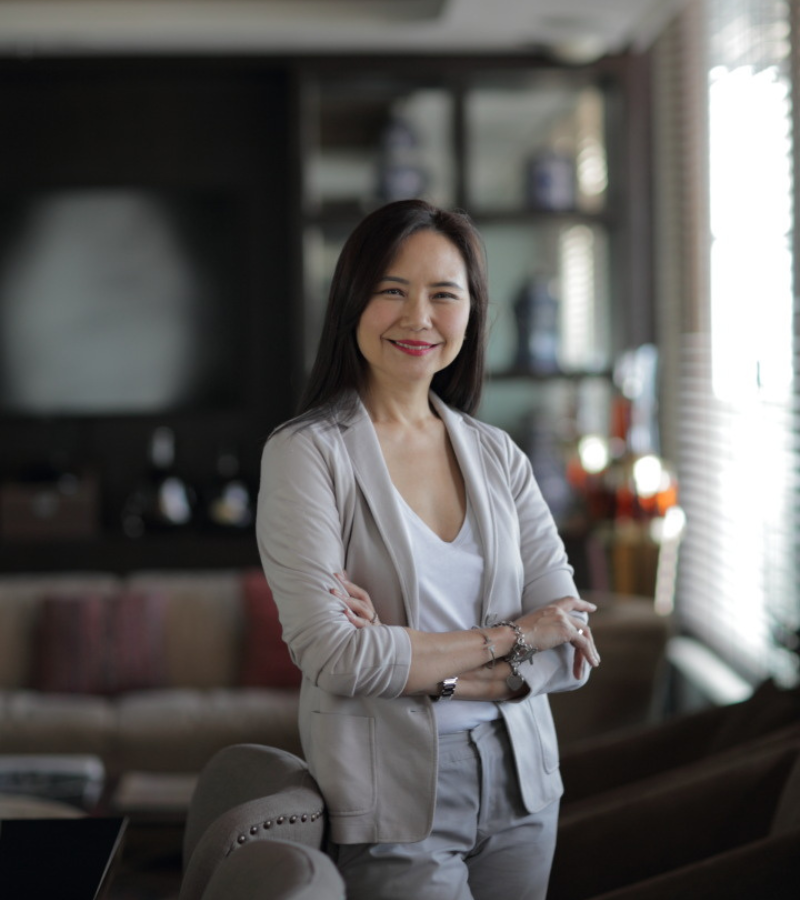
<point x="483" y="846"/>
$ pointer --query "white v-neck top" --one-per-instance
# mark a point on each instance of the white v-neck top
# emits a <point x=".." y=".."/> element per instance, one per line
<point x="450" y="577"/>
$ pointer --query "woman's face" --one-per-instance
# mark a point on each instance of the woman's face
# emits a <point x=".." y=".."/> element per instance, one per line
<point x="414" y="323"/>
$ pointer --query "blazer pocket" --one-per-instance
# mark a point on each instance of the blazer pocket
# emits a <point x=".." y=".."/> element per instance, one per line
<point x="343" y="752"/>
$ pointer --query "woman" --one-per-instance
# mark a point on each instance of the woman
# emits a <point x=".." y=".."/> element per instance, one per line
<point x="421" y="584"/>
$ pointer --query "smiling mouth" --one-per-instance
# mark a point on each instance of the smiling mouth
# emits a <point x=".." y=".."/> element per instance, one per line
<point x="414" y="348"/>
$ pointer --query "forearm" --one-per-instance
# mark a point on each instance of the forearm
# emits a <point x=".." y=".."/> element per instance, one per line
<point x="436" y="656"/>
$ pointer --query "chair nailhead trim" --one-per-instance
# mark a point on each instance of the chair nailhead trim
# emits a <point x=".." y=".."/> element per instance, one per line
<point x="305" y="817"/>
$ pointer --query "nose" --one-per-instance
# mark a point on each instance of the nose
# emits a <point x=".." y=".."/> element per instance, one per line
<point x="417" y="312"/>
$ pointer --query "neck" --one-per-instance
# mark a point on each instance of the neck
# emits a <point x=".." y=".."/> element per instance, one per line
<point x="398" y="404"/>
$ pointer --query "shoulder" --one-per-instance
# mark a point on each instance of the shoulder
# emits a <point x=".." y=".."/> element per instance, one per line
<point x="491" y="435"/>
<point x="296" y="444"/>
<point x="493" y="440"/>
<point x="316" y="438"/>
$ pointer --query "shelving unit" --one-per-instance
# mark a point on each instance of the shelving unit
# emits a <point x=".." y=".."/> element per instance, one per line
<point x="539" y="157"/>
<point x="307" y="146"/>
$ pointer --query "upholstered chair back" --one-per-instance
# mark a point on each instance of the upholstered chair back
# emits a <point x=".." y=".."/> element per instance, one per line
<point x="248" y="793"/>
<point x="275" y="870"/>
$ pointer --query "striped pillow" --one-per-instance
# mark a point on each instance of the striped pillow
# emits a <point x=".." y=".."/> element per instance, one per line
<point x="99" y="643"/>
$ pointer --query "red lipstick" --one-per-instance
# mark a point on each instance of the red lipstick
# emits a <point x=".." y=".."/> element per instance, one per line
<point x="414" y="348"/>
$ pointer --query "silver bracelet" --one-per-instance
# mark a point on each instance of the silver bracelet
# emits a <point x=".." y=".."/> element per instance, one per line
<point x="522" y="651"/>
<point x="489" y="644"/>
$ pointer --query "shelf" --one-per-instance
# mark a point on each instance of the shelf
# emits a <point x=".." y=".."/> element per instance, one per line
<point x="530" y="215"/>
<point x="119" y="554"/>
<point x="346" y="215"/>
<point x="527" y="375"/>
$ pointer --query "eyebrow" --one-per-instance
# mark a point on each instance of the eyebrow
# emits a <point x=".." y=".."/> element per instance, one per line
<point x="450" y="284"/>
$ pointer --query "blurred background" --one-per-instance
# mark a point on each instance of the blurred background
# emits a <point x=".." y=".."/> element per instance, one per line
<point x="177" y="178"/>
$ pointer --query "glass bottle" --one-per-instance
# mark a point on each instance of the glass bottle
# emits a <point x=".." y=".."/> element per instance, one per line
<point x="229" y="502"/>
<point x="163" y="501"/>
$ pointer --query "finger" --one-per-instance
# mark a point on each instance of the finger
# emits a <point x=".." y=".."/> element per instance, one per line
<point x="360" y="607"/>
<point x="584" y="642"/>
<point x="342" y="595"/>
<point x="576" y="604"/>
<point x="355" y="619"/>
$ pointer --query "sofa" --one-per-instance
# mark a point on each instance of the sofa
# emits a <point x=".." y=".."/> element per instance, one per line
<point x="155" y="671"/>
<point x="150" y="672"/>
<point x="727" y="830"/>
<point x="703" y="804"/>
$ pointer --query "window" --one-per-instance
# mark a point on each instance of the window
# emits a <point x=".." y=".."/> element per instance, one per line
<point x="732" y="403"/>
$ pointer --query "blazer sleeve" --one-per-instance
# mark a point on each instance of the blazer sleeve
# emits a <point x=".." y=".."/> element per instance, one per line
<point x="304" y="501"/>
<point x="548" y="576"/>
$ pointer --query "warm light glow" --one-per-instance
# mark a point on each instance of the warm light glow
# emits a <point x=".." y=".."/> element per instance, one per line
<point x="593" y="453"/>
<point x="648" y="476"/>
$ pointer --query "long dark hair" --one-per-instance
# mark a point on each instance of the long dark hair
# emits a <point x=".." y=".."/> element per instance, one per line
<point x="340" y="369"/>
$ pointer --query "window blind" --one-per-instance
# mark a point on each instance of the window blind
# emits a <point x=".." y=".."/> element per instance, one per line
<point x="728" y="322"/>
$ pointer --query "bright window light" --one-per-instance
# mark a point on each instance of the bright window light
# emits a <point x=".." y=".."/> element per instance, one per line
<point x="751" y="221"/>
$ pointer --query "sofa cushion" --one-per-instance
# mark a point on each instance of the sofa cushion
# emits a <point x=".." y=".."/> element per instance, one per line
<point x="56" y="723"/>
<point x="203" y="625"/>
<point x="20" y="598"/>
<point x="180" y="730"/>
<point x="96" y="643"/>
<point x="265" y="660"/>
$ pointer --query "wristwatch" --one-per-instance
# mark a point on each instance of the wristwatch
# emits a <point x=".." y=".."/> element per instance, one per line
<point x="446" y="689"/>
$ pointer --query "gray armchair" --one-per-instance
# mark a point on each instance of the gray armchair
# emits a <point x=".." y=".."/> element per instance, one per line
<point x="275" y="870"/>
<point x="251" y="794"/>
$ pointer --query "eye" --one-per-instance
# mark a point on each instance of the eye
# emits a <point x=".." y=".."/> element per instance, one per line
<point x="445" y="296"/>
<point x="388" y="292"/>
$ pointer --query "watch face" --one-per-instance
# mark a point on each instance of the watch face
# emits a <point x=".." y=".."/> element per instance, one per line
<point x="515" y="681"/>
<point x="448" y="688"/>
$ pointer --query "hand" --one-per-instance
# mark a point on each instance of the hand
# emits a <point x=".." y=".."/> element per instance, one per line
<point x="358" y="606"/>
<point x="487" y="682"/>
<point x="553" y="625"/>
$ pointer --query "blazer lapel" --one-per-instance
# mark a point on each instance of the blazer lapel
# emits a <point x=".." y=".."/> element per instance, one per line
<point x="372" y="475"/>
<point x="466" y="444"/>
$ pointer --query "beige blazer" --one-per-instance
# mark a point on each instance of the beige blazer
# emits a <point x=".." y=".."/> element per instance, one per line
<point x="326" y="504"/>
